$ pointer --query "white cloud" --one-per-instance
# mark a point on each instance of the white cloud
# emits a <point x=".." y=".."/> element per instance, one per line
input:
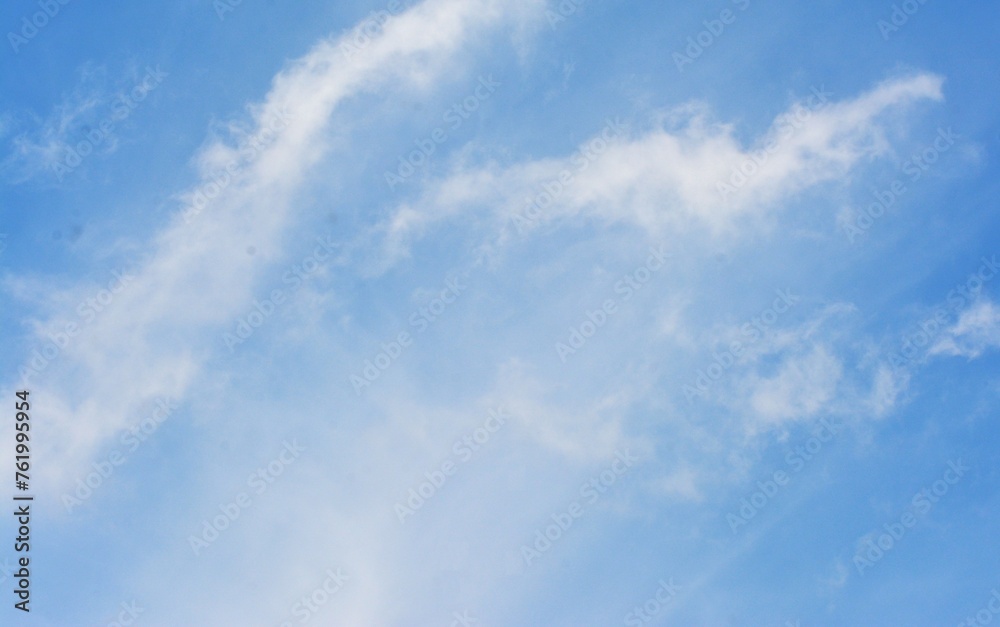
<point x="589" y="431"/>
<point x="195" y="277"/>
<point x="670" y="178"/>
<point x="803" y="385"/>
<point x="88" y="120"/>
<point x="800" y="371"/>
<point x="156" y="337"/>
<point x="886" y="388"/>
<point x="682" y="484"/>
<point x="976" y="331"/>
<point x="38" y="152"/>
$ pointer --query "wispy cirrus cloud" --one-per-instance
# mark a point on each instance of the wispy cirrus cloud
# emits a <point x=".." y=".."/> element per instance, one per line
<point x="668" y="177"/>
<point x="611" y="250"/>
<point x="976" y="331"/>
<point x="87" y="121"/>
<point x="147" y="345"/>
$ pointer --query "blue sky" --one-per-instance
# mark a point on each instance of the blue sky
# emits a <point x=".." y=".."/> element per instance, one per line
<point x="497" y="312"/>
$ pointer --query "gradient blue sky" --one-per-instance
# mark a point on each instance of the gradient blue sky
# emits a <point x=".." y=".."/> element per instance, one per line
<point x="588" y="108"/>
